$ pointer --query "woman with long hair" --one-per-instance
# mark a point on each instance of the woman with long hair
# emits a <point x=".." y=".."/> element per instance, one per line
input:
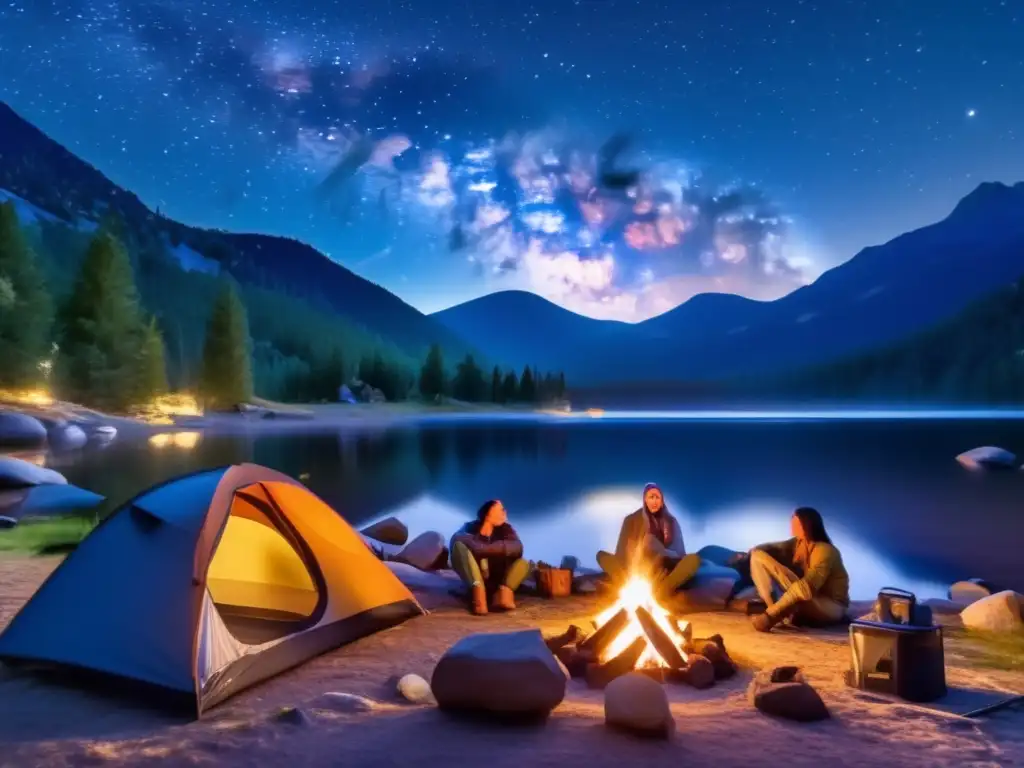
<point x="488" y="556"/>
<point x="805" y="571"/>
<point x="651" y="543"/>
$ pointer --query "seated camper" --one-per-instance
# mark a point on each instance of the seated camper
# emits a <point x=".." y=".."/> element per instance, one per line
<point x="488" y="556"/>
<point x="807" y="574"/>
<point x="651" y="543"/>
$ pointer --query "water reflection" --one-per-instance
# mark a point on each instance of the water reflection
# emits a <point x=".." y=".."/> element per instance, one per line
<point x="897" y="502"/>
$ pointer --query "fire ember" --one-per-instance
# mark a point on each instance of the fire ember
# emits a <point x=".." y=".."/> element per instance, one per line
<point x="638" y="634"/>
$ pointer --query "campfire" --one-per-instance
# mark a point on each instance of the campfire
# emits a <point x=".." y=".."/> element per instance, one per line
<point x="637" y="634"/>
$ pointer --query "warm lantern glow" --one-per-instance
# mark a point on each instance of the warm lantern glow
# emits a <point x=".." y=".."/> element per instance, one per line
<point x="637" y="593"/>
<point x="184" y="440"/>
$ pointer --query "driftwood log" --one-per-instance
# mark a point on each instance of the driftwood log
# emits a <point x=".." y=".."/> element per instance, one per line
<point x="602" y="638"/>
<point x="662" y="642"/>
<point x="599" y="675"/>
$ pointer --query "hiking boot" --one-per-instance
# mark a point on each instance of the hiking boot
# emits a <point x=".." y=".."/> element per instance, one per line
<point x="478" y="600"/>
<point x="503" y="599"/>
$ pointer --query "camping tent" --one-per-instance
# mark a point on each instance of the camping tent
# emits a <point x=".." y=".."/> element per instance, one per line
<point x="208" y="584"/>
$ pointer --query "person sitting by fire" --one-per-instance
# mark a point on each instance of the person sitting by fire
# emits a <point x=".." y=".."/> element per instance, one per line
<point x="488" y="556"/>
<point x="651" y="544"/>
<point x="807" y="573"/>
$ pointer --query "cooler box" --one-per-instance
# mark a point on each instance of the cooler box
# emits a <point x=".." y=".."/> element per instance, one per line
<point x="899" y="659"/>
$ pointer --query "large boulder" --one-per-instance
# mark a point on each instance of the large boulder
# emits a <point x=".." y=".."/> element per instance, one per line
<point x="440" y="582"/>
<point x="67" y="437"/>
<point x="987" y="457"/>
<point x="709" y="590"/>
<point x="43" y="500"/>
<point x="970" y="591"/>
<point x="783" y="692"/>
<point x="390" y="530"/>
<point x="20" y="430"/>
<point x="18" y="473"/>
<point x="424" y="552"/>
<point x="636" y="703"/>
<point x="1000" y="612"/>
<point x="510" y="674"/>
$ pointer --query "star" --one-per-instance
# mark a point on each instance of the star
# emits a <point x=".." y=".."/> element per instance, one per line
<point x="972" y="112"/>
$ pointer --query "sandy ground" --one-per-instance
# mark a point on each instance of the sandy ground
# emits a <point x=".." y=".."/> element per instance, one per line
<point x="42" y="725"/>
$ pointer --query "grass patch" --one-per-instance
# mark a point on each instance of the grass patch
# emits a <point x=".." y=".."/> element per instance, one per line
<point x="995" y="650"/>
<point x="52" y="536"/>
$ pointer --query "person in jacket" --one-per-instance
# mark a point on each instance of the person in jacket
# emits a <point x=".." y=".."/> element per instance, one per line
<point x="488" y="556"/>
<point x="651" y="542"/>
<point x="807" y="574"/>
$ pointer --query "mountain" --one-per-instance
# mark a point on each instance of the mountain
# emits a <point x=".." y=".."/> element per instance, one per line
<point x="521" y="328"/>
<point x="51" y="179"/>
<point x="883" y="294"/>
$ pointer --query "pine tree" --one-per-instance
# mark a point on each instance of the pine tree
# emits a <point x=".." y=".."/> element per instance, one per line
<point x="496" y="390"/>
<point x="510" y="387"/>
<point x="25" y="310"/>
<point x="527" y="388"/>
<point x="102" y="331"/>
<point x="469" y="383"/>
<point x="226" y="378"/>
<point x="432" y="378"/>
<point x="560" y="386"/>
<point x="152" y="376"/>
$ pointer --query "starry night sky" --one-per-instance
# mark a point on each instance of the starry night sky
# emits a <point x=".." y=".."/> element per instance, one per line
<point x="471" y="131"/>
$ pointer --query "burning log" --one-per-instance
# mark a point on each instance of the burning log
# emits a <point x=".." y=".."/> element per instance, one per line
<point x="599" y="675"/>
<point x="571" y="636"/>
<point x="605" y="634"/>
<point x="662" y="641"/>
<point x="575" y="661"/>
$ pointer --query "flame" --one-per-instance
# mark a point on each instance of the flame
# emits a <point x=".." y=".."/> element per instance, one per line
<point x="637" y="593"/>
<point x="163" y="409"/>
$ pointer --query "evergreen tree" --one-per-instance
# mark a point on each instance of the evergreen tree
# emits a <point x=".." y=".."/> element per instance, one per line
<point x="432" y="378"/>
<point x="527" y="388"/>
<point x="469" y="383"/>
<point x="560" y="386"/>
<point x="496" y="390"/>
<point x="510" y="388"/>
<point x="152" y="365"/>
<point x="103" y="332"/>
<point x="365" y="373"/>
<point x="226" y="378"/>
<point x="25" y="309"/>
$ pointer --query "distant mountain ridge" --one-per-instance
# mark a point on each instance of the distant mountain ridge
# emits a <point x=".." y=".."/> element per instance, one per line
<point x="881" y="295"/>
<point x="45" y="174"/>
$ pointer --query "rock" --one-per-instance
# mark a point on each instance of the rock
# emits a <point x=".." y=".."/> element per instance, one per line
<point x="987" y="457"/>
<point x="713" y="649"/>
<point x="291" y="716"/>
<point x="53" y="500"/>
<point x="636" y="703"/>
<point x="390" y="530"/>
<point x="415" y="689"/>
<point x="717" y="555"/>
<point x="423" y="552"/>
<point x="510" y="673"/>
<point x="69" y="437"/>
<point x="345" y="702"/>
<point x="104" y="433"/>
<point x="709" y="590"/>
<point x="570" y="563"/>
<point x="699" y="672"/>
<point x="16" y="473"/>
<point x="1000" y="612"/>
<point x="20" y="430"/>
<point x="584" y="585"/>
<point x="783" y="692"/>
<point x="433" y="581"/>
<point x="972" y="590"/>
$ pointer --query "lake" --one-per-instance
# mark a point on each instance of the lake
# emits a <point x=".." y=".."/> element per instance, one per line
<point x="903" y="512"/>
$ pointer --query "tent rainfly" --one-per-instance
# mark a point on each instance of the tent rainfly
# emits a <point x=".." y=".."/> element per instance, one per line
<point x="207" y="584"/>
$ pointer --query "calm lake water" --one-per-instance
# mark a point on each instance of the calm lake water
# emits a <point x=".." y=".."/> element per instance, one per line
<point x="901" y="509"/>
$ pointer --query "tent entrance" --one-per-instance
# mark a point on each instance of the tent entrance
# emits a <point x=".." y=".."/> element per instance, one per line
<point x="260" y="578"/>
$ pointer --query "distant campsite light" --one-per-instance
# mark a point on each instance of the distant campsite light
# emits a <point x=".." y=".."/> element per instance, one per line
<point x="183" y="440"/>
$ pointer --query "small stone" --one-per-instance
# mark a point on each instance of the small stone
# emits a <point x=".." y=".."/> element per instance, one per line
<point x="699" y="672"/>
<point x="346" y="702"/>
<point x="415" y="689"/>
<point x="390" y="530"/>
<point x="782" y="692"/>
<point x="713" y="649"/>
<point x="291" y="716"/>
<point x="1000" y="612"/>
<point x="636" y="703"/>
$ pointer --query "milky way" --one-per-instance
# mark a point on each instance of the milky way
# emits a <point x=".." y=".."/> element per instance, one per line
<point x="449" y="148"/>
